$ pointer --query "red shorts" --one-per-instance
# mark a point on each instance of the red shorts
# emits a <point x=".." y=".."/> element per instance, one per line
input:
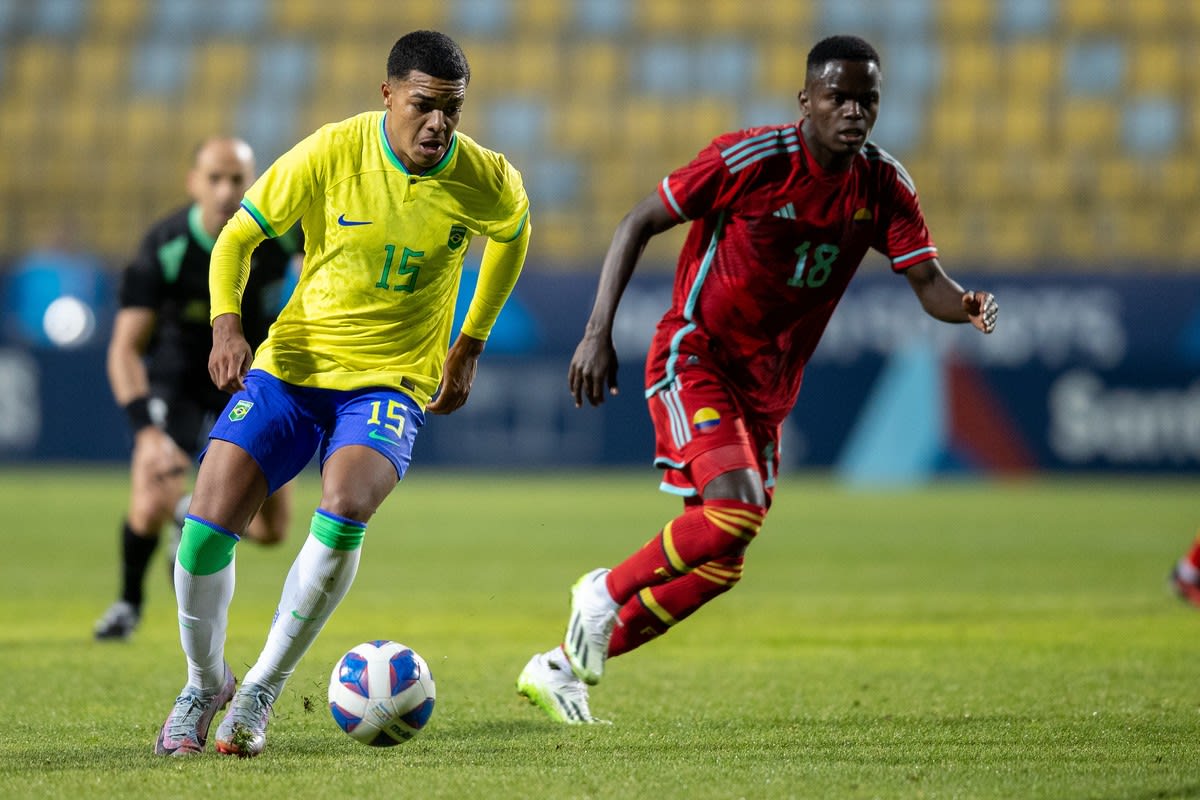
<point x="700" y="433"/>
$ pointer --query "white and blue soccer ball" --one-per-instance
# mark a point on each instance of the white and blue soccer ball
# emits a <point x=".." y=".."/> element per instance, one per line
<point x="381" y="693"/>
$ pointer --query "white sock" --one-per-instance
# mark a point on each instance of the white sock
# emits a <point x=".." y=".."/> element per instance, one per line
<point x="203" y="604"/>
<point x="318" y="580"/>
<point x="559" y="659"/>
<point x="599" y="587"/>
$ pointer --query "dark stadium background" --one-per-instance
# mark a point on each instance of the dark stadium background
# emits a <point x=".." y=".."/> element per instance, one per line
<point x="1054" y="144"/>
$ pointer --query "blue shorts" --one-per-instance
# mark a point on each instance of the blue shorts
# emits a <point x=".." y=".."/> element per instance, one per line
<point x="281" y="425"/>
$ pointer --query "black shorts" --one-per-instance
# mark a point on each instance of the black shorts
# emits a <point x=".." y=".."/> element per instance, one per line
<point x="185" y="421"/>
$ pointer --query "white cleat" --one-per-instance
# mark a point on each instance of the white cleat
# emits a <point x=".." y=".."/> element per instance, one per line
<point x="556" y="691"/>
<point x="589" y="630"/>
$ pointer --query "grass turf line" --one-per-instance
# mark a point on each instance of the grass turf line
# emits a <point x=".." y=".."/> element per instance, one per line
<point x="962" y="640"/>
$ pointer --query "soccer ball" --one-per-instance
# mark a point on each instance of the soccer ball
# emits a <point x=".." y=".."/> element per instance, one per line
<point x="381" y="693"/>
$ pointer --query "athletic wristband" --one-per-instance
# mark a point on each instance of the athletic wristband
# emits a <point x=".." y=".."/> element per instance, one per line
<point x="138" y="413"/>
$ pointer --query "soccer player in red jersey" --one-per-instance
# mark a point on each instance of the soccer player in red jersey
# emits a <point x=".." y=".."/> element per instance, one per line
<point x="1185" y="576"/>
<point x="781" y="217"/>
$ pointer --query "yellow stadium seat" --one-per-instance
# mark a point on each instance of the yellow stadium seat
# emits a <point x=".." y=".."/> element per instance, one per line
<point x="972" y="65"/>
<point x="117" y="18"/>
<point x="1090" y="15"/>
<point x="558" y="232"/>
<point x="222" y="66"/>
<point x="1154" y="17"/>
<point x="585" y="126"/>
<point x="542" y="17"/>
<point x="987" y="177"/>
<point x="954" y="124"/>
<point x="1033" y="66"/>
<point x="1120" y="180"/>
<point x="784" y="19"/>
<point x="1014" y="234"/>
<point x="596" y="65"/>
<point x="781" y="67"/>
<point x="36" y="65"/>
<point x="763" y="17"/>
<point x="1092" y="123"/>
<point x="101" y="68"/>
<point x="1075" y="236"/>
<point x="533" y="64"/>
<point x="665" y="16"/>
<point x="1024" y="121"/>
<point x="1176" y="178"/>
<point x="1143" y="233"/>
<point x="1157" y="66"/>
<point x="958" y="17"/>
<point x="294" y="17"/>
<point x="24" y="124"/>
<point x="1046" y="179"/>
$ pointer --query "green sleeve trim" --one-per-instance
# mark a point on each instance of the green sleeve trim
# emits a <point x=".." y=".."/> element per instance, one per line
<point x="205" y="549"/>
<point x="259" y="218"/>
<point x="520" y="229"/>
<point x="337" y="533"/>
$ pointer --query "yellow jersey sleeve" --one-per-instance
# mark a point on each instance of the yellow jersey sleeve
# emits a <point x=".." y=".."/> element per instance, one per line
<point x="384" y="253"/>
<point x="288" y="188"/>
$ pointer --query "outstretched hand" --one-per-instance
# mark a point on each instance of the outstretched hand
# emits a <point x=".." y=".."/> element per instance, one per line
<point x="593" y="367"/>
<point x="981" y="309"/>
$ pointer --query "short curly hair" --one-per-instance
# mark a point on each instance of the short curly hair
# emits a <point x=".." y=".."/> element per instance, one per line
<point x="839" y="48"/>
<point x="431" y="52"/>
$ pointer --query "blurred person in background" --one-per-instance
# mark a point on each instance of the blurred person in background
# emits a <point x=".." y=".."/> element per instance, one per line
<point x="781" y="217"/>
<point x="158" y="362"/>
<point x="1185" y="577"/>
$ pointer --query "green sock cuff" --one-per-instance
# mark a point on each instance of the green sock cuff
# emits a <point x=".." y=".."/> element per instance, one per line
<point x="205" y="548"/>
<point x="337" y="533"/>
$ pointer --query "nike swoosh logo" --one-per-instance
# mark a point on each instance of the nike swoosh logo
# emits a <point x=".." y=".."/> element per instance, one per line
<point x="350" y="223"/>
<point x="301" y="617"/>
<point x="382" y="438"/>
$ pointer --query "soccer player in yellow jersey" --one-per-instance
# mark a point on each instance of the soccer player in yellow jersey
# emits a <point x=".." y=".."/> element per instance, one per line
<point x="388" y="202"/>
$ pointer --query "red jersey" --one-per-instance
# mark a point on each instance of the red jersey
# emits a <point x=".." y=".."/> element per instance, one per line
<point x="774" y="241"/>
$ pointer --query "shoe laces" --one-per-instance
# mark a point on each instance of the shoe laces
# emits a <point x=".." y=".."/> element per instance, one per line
<point x="250" y="707"/>
<point x="564" y="681"/>
<point x="189" y="708"/>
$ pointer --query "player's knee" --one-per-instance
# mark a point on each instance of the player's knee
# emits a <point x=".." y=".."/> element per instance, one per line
<point x="268" y="533"/>
<point x="149" y="511"/>
<point x="738" y="523"/>
<point x="743" y="484"/>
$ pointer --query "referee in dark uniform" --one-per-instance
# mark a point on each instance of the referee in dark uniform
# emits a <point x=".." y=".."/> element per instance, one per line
<point x="158" y="361"/>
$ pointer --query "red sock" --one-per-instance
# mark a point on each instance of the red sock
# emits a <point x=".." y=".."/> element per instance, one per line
<point x="717" y="529"/>
<point x="654" y="610"/>
<point x="1193" y="555"/>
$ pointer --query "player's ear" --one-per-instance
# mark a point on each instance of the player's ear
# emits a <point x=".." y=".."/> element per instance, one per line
<point x="386" y="89"/>
<point x="802" y="99"/>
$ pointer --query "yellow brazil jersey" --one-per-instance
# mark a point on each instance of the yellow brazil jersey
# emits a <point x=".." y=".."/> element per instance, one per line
<point x="384" y="251"/>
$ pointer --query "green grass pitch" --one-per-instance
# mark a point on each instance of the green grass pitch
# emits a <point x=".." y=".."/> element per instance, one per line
<point x="964" y="640"/>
